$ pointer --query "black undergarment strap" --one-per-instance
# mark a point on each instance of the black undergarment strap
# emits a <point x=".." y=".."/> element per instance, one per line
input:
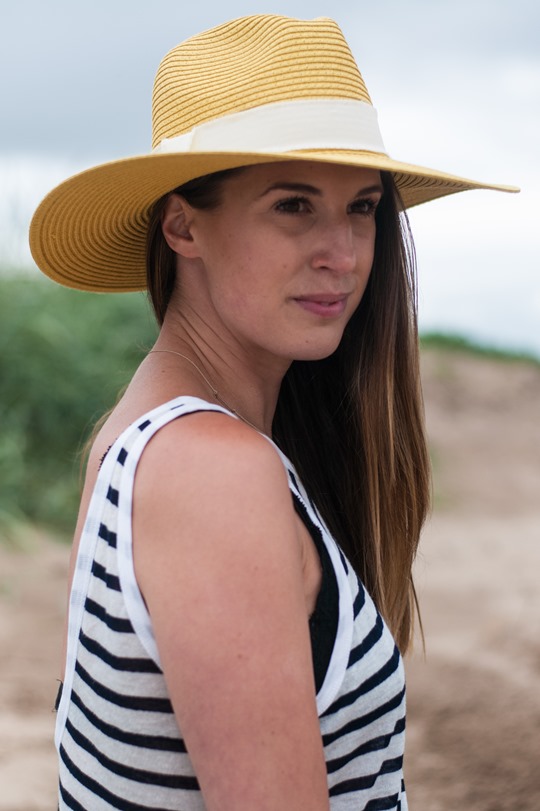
<point x="323" y="623"/>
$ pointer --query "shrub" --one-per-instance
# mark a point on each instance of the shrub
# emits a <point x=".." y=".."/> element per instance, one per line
<point x="64" y="356"/>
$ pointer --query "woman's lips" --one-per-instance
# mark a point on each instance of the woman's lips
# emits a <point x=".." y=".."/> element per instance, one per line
<point x="324" y="305"/>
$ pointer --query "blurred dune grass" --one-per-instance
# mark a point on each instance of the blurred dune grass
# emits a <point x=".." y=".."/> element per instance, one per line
<point x="64" y="356"/>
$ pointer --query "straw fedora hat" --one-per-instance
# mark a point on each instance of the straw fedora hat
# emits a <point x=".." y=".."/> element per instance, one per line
<point x="257" y="89"/>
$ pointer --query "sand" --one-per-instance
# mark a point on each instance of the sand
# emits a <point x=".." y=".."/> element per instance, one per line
<point x="473" y="699"/>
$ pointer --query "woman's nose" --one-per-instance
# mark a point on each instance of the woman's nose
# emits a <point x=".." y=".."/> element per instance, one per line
<point x="335" y="248"/>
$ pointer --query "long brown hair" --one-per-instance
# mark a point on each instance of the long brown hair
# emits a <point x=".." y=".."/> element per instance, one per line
<point x="352" y="423"/>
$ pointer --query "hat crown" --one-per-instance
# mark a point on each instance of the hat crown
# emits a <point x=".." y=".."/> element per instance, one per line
<point x="249" y="62"/>
<point x="255" y="90"/>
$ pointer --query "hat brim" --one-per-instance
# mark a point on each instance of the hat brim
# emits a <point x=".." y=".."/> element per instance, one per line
<point x="89" y="233"/>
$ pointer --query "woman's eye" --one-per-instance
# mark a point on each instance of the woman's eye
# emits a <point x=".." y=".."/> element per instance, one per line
<point x="365" y="206"/>
<point x="293" y="205"/>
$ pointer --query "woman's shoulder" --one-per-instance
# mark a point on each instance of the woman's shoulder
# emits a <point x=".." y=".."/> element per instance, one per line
<point x="186" y="435"/>
<point x="191" y="439"/>
<point x="131" y="418"/>
<point x="185" y="443"/>
<point x="211" y="493"/>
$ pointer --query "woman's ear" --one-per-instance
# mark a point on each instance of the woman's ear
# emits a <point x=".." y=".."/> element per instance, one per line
<point x="176" y="223"/>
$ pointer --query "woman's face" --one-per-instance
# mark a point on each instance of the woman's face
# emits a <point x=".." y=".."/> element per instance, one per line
<point x="279" y="267"/>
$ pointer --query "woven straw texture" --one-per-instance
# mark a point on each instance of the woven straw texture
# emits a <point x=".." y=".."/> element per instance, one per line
<point x="212" y="74"/>
<point x="90" y="232"/>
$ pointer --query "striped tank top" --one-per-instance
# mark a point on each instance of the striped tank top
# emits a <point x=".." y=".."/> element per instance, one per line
<point x="118" y="741"/>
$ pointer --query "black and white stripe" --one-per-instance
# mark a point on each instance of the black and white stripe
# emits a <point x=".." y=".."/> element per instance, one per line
<point x="118" y="741"/>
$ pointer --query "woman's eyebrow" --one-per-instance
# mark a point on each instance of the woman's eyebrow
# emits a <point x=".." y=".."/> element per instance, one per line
<point x="306" y="188"/>
<point x="377" y="188"/>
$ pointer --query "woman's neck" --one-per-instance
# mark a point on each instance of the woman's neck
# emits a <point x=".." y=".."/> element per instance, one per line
<point x="235" y="379"/>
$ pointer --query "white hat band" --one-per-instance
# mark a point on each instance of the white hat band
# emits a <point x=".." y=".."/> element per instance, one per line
<point x="284" y="127"/>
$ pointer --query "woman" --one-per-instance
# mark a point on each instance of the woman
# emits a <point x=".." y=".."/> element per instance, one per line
<point x="232" y="616"/>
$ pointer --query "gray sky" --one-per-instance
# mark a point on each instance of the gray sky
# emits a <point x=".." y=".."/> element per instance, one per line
<point x="456" y="85"/>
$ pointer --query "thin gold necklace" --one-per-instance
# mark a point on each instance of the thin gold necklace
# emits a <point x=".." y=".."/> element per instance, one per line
<point x="215" y="392"/>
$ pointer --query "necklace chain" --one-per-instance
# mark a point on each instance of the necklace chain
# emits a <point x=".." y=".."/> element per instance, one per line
<point x="215" y="392"/>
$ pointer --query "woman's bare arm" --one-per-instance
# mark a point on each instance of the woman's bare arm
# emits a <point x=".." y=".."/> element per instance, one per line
<point x="219" y="563"/>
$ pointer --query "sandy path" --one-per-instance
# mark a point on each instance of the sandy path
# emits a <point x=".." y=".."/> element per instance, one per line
<point x="32" y="589"/>
<point x="474" y="701"/>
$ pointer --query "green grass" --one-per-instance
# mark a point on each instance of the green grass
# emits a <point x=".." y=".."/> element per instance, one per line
<point x="64" y="356"/>
<point x="458" y="343"/>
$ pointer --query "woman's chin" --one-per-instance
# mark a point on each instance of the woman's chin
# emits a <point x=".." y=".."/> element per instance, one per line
<point x="319" y="352"/>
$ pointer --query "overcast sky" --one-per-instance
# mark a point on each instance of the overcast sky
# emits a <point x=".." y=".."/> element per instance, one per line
<point x="456" y="85"/>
